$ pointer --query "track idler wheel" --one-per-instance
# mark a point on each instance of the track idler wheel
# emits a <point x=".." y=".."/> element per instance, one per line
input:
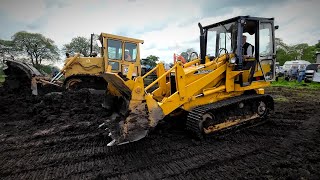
<point x="262" y="109"/>
<point x="207" y="123"/>
<point x="73" y="84"/>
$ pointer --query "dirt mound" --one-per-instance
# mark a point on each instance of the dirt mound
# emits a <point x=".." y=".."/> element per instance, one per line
<point x="56" y="136"/>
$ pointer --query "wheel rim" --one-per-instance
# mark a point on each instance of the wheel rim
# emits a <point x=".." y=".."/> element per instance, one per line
<point x="206" y="119"/>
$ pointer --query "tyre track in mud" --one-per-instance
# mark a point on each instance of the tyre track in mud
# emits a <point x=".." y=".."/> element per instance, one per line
<point x="97" y="163"/>
<point x="82" y="152"/>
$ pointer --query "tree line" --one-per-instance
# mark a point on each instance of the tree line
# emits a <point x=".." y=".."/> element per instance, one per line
<point x="35" y="48"/>
<point x="301" y="51"/>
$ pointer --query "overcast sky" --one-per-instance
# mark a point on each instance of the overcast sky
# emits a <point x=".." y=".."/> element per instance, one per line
<point x="166" y="26"/>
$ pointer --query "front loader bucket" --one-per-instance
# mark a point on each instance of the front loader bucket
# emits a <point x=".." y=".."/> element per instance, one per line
<point x="21" y="76"/>
<point x="130" y="119"/>
<point x="24" y="77"/>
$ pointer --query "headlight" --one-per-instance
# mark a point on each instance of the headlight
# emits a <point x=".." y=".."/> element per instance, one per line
<point x="232" y="60"/>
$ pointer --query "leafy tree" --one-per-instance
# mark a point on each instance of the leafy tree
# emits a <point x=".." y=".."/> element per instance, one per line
<point x="280" y="44"/>
<point x="81" y="45"/>
<point x="309" y="53"/>
<point x="150" y="61"/>
<point x="317" y="46"/>
<point x="36" y="46"/>
<point x="302" y="51"/>
<point x="7" y="49"/>
<point x="281" y="56"/>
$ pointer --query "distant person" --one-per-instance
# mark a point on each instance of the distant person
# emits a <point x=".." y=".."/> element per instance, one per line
<point x="302" y="72"/>
<point x="247" y="48"/>
<point x="293" y="73"/>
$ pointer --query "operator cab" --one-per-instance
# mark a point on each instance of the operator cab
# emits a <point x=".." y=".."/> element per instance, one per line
<point x="120" y="52"/>
<point x="226" y="37"/>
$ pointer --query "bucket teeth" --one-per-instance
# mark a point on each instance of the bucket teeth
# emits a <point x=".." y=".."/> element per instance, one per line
<point x="131" y="128"/>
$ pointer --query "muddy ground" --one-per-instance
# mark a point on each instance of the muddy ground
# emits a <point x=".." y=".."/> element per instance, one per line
<point x="56" y="137"/>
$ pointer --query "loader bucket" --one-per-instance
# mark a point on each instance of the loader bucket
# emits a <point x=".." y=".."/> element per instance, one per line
<point x="130" y="120"/>
<point x="21" y="76"/>
<point x="24" y="77"/>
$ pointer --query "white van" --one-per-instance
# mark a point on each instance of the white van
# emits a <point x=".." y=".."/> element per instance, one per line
<point x="297" y="63"/>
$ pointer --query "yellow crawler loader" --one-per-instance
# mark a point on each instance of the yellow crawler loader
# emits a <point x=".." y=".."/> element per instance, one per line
<point x="117" y="53"/>
<point x="222" y="88"/>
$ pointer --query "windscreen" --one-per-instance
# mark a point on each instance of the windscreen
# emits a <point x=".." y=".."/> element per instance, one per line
<point x="222" y="39"/>
<point x="312" y="67"/>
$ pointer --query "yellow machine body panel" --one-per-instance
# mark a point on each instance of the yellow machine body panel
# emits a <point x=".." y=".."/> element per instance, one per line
<point x="85" y="66"/>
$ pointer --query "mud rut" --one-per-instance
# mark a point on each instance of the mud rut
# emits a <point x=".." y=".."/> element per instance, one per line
<point x="56" y="137"/>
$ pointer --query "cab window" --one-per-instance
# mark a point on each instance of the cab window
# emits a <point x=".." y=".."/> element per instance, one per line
<point x="130" y="53"/>
<point x="222" y="39"/>
<point x="114" y="65"/>
<point x="114" y="49"/>
<point x="265" y="43"/>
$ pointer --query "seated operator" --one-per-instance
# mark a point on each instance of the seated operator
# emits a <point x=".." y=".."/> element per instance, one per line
<point x="247" y="48"/>
<point x="127" y="56"/>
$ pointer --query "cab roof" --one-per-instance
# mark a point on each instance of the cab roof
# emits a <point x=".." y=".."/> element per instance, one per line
<point x="112" y="36"/>
<point x="235" y="19"/>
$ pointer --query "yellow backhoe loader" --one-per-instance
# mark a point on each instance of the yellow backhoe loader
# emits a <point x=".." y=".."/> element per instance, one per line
<point x="117" y="53"/>
<point x="219" y="90"/>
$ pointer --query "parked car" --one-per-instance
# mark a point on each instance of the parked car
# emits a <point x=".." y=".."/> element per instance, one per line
<point x="312" y="73"/>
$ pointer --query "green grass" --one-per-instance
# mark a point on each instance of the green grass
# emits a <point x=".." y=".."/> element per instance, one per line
<point x="295" y="84"/>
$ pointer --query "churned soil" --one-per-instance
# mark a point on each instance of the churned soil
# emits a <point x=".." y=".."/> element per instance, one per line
<point x="56" y="136"/>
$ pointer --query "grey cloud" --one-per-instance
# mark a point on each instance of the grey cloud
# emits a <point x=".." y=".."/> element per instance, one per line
<point x="35" y="25"/>
<point x="193" y="43"/>
<point x="56" y="3"/>
<point x="192" y="40"/>
<point x="149" y="46"/>
<point x="122" y="33"/>
<point x="32" y="26"/>
<point x="157" y="26"/>
<point x="9" y="27"/>
<point x="188" y="21"/>
<point x="135" y="32"/>
<point x="213" y="8"/>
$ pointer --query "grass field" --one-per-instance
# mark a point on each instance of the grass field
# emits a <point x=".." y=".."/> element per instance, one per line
<point x="295" y="84"/>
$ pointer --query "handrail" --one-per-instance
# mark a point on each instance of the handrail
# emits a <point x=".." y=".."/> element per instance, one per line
<point x="57" y="76"/>
<point x="148" y="73"/>
<point x="163" y="75"/>
<point x="70" y="62"/>
<point x="191" y="63"/>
